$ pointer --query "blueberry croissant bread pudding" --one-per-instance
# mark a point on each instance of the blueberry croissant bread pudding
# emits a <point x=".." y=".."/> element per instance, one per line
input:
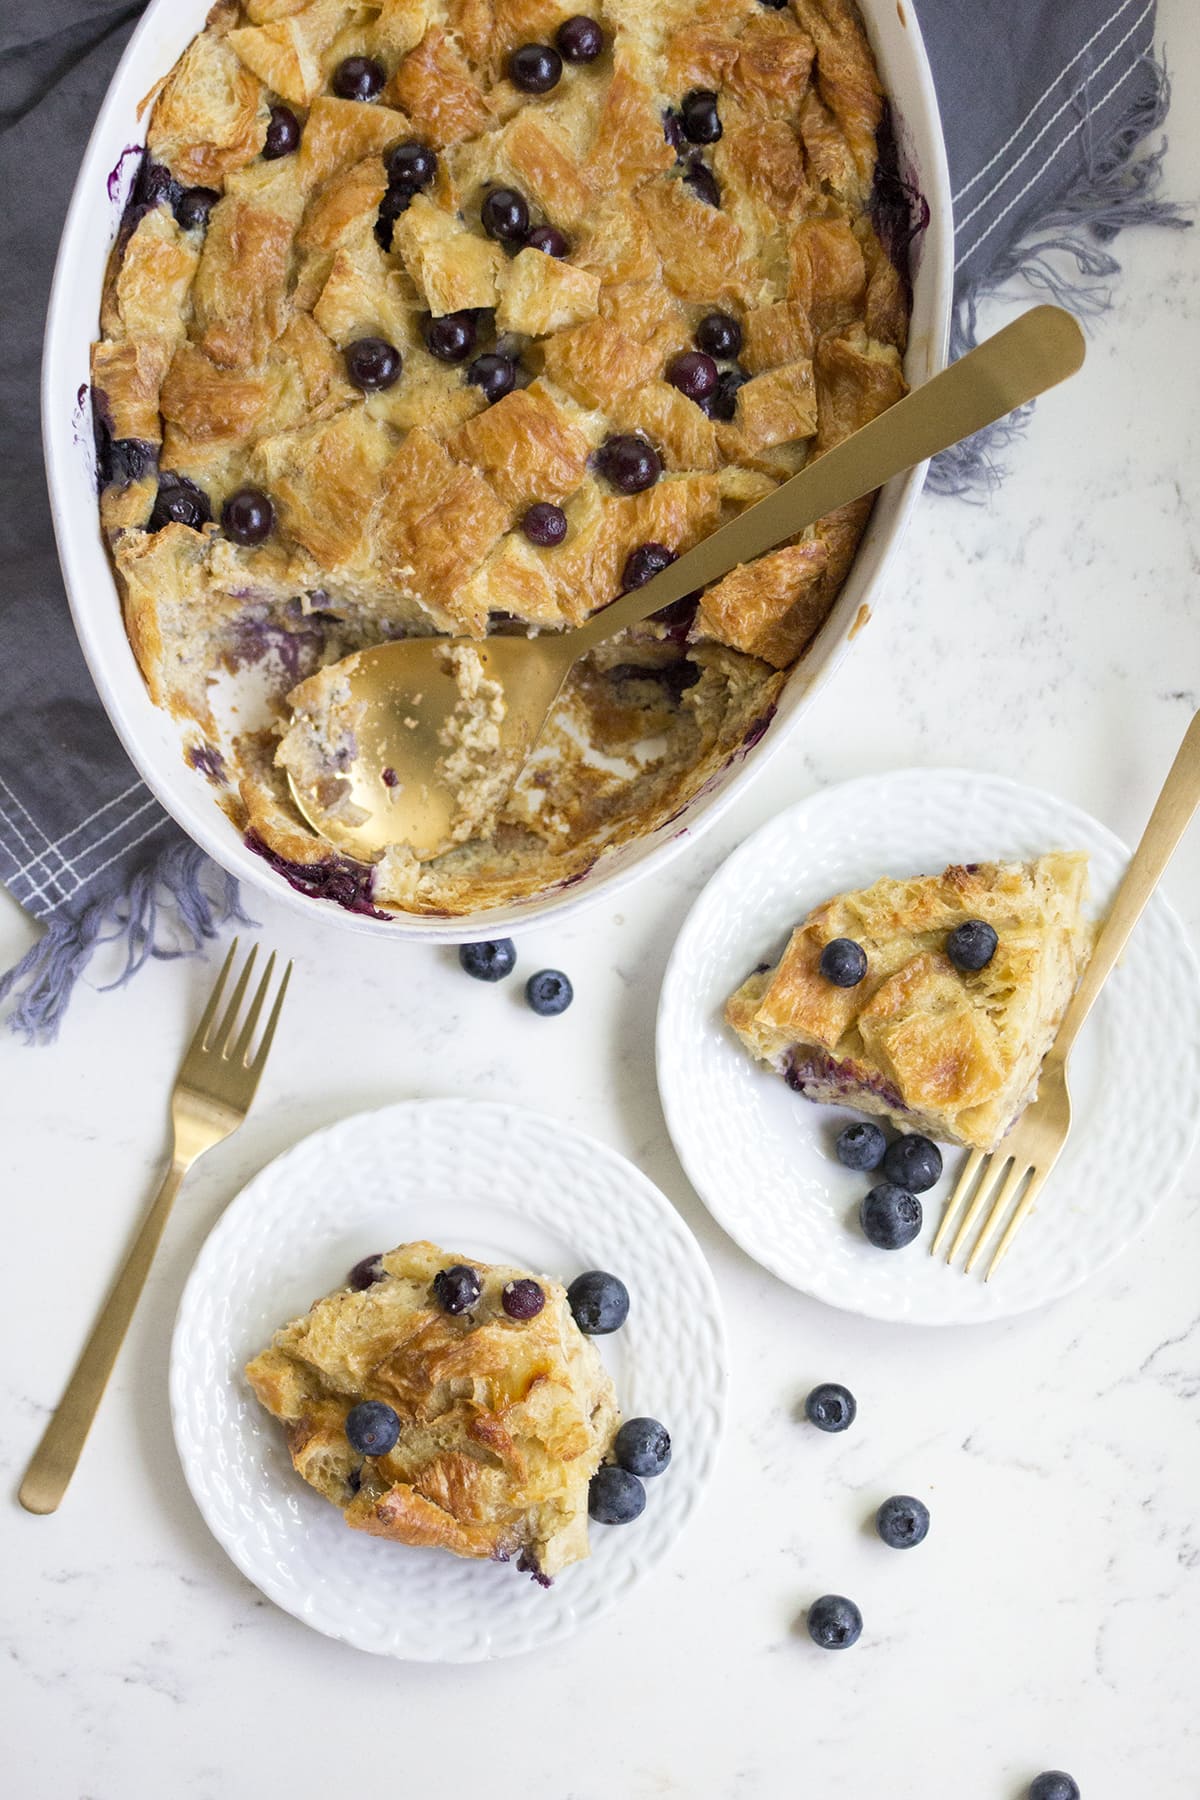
<point x="447" y="1404"/>
<point x="932" y="1001"/>
<point x="462" y="316"/>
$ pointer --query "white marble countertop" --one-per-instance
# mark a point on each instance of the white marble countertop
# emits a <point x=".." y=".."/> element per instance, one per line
<point x="1051" y="1618"/>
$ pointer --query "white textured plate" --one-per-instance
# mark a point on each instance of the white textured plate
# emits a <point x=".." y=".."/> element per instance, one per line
<point x="491" y="1182"/>
<point x="761" y="1157"/>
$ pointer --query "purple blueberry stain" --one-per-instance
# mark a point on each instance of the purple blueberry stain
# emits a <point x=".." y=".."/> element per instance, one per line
<point x="899" y="211"/>
<point x="336" y="878"/>
<point x="207" y="760"/>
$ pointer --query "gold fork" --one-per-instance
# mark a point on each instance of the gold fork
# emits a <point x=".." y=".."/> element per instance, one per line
<point x="1035" y="1143"/>
<point x="213" y="1091"/>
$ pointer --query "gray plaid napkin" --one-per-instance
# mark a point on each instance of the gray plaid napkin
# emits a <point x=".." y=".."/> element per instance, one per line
<point x="1044" y="103"/>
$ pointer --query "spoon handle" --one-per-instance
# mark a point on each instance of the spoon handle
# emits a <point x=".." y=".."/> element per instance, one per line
<point x="1034" y="353"/>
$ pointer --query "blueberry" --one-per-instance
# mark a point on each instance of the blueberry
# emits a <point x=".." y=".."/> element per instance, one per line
<point x="644" y="563"/>
<point x="522" y="1299"/>
<point x="366" y="1273"/>
<point x="1053" y="1784"/>
<point x="549" y="993"/>
<point x="673" y="128"/>
<point x="372" y="363"/>
<point x="719" y="335"/>
<point x="494" y="376"/>
<point x="248" y="516"/>
<point x="629" y="463"/>
<point x="489" y="962"/>
<point x="535" y="68"/>
<point x="580" y="39"/>
<point x="913" y="1163"/>
<point x="902" y="1522"/>
<point x="834" y="1622"/>
<point x="831" y="1407"/>
<point x="545" y="525"/>
<point x="179" y="502"/>
<point x="861" y="1147"/>
<point x="155" y="183"/>
<point x="411" y="164"/>
<point x="773" y="5"/>
<point x="505" y="215"/>
<point x="358" y="78"/>
<point x="890" y="1216"/>
<point x="194" y="205"/>
<point x="615" y="1497"/>
<point x="457" y="1289"/>
<point x="548" y="238"/>
<point x="643" y="1446"/>
<point x="283" y="134"/>
<point x="599" y="1303"/>
<point x="972" y="944"/>
<point x="703" y="183"/>
<point x="372" y="1427"/>
<point x="723" y="403"/>
<point x="395" y="201"/>
<point x="693" y="373"/>
<point x="122" y="460"/>
<point x="452" y="337"/>
<point x="701" y="121"/>
<point x="389" y="778"/>
<point x="843" y="962"/>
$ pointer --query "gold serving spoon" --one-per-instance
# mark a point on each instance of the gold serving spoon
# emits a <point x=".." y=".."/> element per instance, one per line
<point x="408" y="692"/>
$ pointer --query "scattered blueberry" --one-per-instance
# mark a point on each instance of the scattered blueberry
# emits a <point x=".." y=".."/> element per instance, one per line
<point x="457" y="1288"/>
<point x="902" y="1522"/>
<point x="599" y="1303"/>
<point x="411" y="164"/>
<point x="372" y="1427"/>
<point x="395" y="201"/>
<point x="834" y="1622"/>
<point x="548" y="238"/>
<point x="703" y="183"/>
<point x="522" y="1299"/>
<point x="452" y="337"/>
<point x="972" y="944"/>
<point x="489" y="962"/>
<point x="372" y="364"/>
<point x="580" y="39"/>
<point x="366" y="1273"/>
<point x="861" y="1147"/>
<point x="1053" y="1784"/>
<point x="494" y="376"/>
<point x="644" y="563"/>
<point x="723" y="404"/>
<point x="505" y="215"/>
<point x="248" y="516"/>
<point x="179" y="502"/>
<point x="890" y="1216"/>
<point x="719" y="335"/>
<point x="549" y="993"/>
<point x="283" y="134"/>
<point x="194" y="205"/>
<point x="693" y="373"/>
<point x="913" y="1163"/>
<point x="629" y="463"/>
<point x="535" y="68"/>
<point x="831" y="1407"/>
<point x="615" y="1497"/>
<point x="843" y="962"/>
<point x="545" y="525"/>
<point x="643" y="1446"/>
<point x="701" y="121"/>
<point x="358" y="78"/>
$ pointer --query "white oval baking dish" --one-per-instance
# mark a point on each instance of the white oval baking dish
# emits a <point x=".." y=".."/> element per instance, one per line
<point x="152" y="738"/>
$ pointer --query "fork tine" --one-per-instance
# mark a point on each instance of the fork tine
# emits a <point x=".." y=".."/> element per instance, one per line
<point x="214" y="1000"/>
<point x="261" y="1055"/>
<point x="1000" y="1206"/>
<point x="993" y="1172"/>
<point x="1023" y="1208"/>
<point x="241" y="1050"/>
<point x="958" y="1197"/>
<point x="228" y="1024"/>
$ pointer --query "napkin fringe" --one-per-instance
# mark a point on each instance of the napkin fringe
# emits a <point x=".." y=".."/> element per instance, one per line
<point x="1117" y="189"/>
<point x="172" y="907"/>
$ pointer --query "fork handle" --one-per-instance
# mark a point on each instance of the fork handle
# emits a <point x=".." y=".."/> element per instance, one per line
<point x="54" y="1460"/>
<point x="1170" y="819"/>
